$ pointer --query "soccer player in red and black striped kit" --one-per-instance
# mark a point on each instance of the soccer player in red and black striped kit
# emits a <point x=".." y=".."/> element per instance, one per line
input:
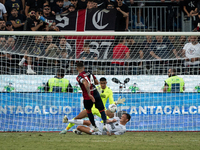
<point x="87" y="82"/>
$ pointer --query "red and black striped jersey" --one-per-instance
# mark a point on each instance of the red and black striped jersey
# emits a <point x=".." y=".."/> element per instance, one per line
<point x="89" y="77"/>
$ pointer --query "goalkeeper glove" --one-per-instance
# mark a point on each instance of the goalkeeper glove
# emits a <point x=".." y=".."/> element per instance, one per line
<point x="120" y="101"/>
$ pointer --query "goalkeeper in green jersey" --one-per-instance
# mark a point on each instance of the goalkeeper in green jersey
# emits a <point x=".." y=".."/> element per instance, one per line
<point x="105" y="93"/>
<point x="134" y="88"/>
<point x="197" y="88"/>
<point x="9" y="88"/>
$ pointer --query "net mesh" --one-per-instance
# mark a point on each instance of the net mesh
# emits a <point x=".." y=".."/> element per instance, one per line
<point x="128" y="52"/>
<point x="135" y="67"/>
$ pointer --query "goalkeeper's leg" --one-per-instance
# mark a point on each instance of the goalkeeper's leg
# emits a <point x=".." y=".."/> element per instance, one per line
<point x="95" y="111"/>
<point x="81" y="115"/>
<point x="70" y="125"/>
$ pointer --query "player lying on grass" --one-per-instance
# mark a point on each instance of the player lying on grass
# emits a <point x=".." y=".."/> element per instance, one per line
<point x="114" y="126"/>
<point x="105" y="93"/>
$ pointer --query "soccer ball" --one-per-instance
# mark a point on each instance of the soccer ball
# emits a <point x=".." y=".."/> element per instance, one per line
<point x="112" y="108"/>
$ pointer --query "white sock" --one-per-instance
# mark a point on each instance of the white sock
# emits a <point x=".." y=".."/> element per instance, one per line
<point x="76" y="121"/>
<point x="22" y="61"/>
<point x="29" y="67"/>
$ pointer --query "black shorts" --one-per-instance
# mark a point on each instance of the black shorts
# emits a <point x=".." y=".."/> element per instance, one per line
<point x="98" y="102"/>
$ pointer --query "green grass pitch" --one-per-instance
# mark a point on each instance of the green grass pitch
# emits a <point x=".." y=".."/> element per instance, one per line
<point x="128" y="141"/>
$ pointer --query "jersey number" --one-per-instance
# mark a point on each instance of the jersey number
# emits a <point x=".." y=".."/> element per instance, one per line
<point x="175" y="87"/>
<point x="91" y="82"/>
<point x="57" y="89"/>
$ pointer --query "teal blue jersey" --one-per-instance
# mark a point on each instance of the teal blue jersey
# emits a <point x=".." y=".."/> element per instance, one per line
<point x="134" y="89"/>
<point x="9" y="88"/>
<point x="76" y="88"/>
<point x="41" y="89"/>
<point x="197" y="88"/>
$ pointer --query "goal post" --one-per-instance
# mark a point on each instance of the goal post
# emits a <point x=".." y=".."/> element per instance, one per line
<point x="135" y="64"/>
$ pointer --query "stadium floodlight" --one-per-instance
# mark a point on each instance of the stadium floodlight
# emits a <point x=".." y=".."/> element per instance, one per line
<point x="116" y="80"/>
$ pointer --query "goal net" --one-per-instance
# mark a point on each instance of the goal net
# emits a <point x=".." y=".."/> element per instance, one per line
<point x="136" y="66"/>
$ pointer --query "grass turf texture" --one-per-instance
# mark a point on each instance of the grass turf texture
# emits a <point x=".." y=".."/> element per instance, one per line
<point x="70" y="141"/>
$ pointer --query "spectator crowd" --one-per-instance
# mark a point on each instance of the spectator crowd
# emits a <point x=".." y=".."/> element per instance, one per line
<point x="157" y="53"/>
<point x="123" y="56"/>
<point x="38" y="15"/>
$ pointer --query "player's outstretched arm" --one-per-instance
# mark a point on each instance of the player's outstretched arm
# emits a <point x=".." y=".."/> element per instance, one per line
<point x="111" y="121"/>
<point x="96" y="82"/>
